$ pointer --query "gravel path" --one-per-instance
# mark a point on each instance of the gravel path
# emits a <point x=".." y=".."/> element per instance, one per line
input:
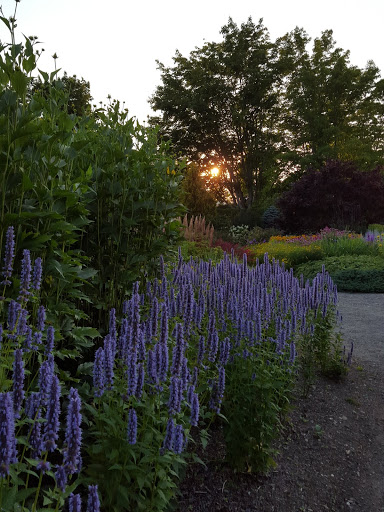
<point x="363" y="324"/>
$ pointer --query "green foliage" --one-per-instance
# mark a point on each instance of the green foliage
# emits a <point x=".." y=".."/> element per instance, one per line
<point x="261" y="235"/>
<point x="289" y="254"/>
<point x="321" y="350"/>
<point x="376" y="227"/>
<point x="239" y="234"/>
<point x="194" y="193"/>
<point x="271" y="217"/>
<point x="357" y="273"/>
<point x="200" y="251"/>
<point x="258" y="392"/>
<point x="343" y="246"/>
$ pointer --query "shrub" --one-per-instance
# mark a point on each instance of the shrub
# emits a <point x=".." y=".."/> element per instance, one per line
<point x="289" y="254"/>
<point x="197" y="230"/>
<point x="337" y="195"/>
<point x="271" y="218"/>
<point x="239" y="234"/>
<point x="259" y="235"/>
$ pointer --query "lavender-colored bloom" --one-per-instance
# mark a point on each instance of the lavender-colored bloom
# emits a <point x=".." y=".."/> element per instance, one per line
<point x="175" y="395"/>
<point x="36" y="274"/>
<point x="132" y="373"/>
<point x="184" y="374"/>
<point x="37" y="340"/>
<point x="213" y="345"/>
<point x="8" y="256"/>
<point x="74" y="503"/>
<point x="164" y="324"/>
<point x="50" y="340"/>
<point x="178" y="443"/>
<point x="112" y="323"/>
<point x="292" y="355"/>
<point x="21" y="328"/>
<point x="61" y="478"/>
<point x="125" y="307"/>
<point x="140" y="381"/>
<point x="108" y="362"/>
<point x="18" y="381"/>
<point x="72" y="457"/>
<point x="132" y="426"/>
<point x="25" y="277"/>
<point x="154" y="316"/>
<point x="201" y="352"/>
<point x="51" y="427"/>
<point x="45" y="379"/>
<point x="225" y="347"/>
<point x="178" y="350"/>
<point x="99" y="373"/>
<point x="169" y="436"/>
<point x="151" y="367"/>
<point x="41" y="318"/>
<point x="164" y="362"/>
<point x="43" y="466"/>
<point x="93" y="503"/>
<point x="195" y="408"/>
<point x="7" y="434"/>
<point x="13" y="313"/>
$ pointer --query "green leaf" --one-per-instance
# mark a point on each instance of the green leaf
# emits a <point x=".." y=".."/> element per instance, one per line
<point x="19" y="82"/>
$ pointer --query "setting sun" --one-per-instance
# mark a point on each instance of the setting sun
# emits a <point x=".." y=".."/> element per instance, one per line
<point x="215" y="171"/>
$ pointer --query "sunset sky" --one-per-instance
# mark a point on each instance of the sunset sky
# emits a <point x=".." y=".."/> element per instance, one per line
<point x="114" y="44"/>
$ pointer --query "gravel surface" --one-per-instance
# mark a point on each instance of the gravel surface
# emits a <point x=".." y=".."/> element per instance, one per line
<point x="363" y="324"/>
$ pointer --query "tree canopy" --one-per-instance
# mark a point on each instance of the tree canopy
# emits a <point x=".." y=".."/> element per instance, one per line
<point x="263" y="111"/>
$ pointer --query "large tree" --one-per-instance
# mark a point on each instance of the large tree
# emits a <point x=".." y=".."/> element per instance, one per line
<point x="334" y="110"/>
<point x="219" y="107"/>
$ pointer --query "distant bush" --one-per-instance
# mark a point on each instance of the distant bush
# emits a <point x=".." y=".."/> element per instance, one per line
<point x="271" y="218"/>
<point x="357" y="273"/>
<point x="239" y="234"/>
<point x="290" y="255"/>
<point x="337" y="195"/>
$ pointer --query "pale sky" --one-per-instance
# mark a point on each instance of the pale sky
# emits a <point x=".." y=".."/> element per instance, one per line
<point x="114" y="44"/>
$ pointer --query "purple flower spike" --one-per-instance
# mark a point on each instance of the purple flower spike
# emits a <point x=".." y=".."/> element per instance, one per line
<point x="7" y="434"/>
<point x="74" y="503"/>
<point x="140" y="380"/>
<point x="51" y="427"/>
<point x="179" y="439"/>
<point x="61" y="478"/>
<point x="45" y="379"/>
<point x="9" y="256"/>
<point x="36" y="274"/>
<point x="72" y="457"/>
<point x="169" y="436"/>
<point x="195" y="410"/>
<point x="18" y="382"/>
<point x="40" y="318"/>
<point x="25" y="278"/>
<point x="132" y="426"/>
<point x="93" y="504"/>
<point x="99" y="373"/>
<point x="50" y="340"/>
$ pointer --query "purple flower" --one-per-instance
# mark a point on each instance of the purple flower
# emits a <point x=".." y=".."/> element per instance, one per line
<point x="45" y="379"/>
<point x="169" y="437"/>
<point x="201" y="352"/>
<point x="175" y="395"/>
<point x="21" y="328"/>
<point x="108" y="362"/>
<point x="50" y="340"/>
<point x="36" y="274"/>
<point x="43" y="466"/>
<point x="40" y="318"/>
<point x="112" y="323"/>
<point x="61" y="478"/>
<point x="178" y="351"/>
<point x="164" y="324"/>
<point x="99" y="372"/>
<point x="7" y="434"/>
<point x="178" y="443"/>
<point x="140" y="380"/>
<point x="154" y="316"/>
<point x="93" y="504"/>
<point x="151" y="367"/>
<point x="25" y="277"/>
<point x="13" y="314"/>
<point x="225" y="347"/>
<point x="74" y="503"/>
<point x="18" y="382"/>
<point x="72" y="457"/>
<point x="51" y="427"/>
<point x="132" y="426"/>
<point x="132" y="373"/>
<point x="8" y="256"/>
